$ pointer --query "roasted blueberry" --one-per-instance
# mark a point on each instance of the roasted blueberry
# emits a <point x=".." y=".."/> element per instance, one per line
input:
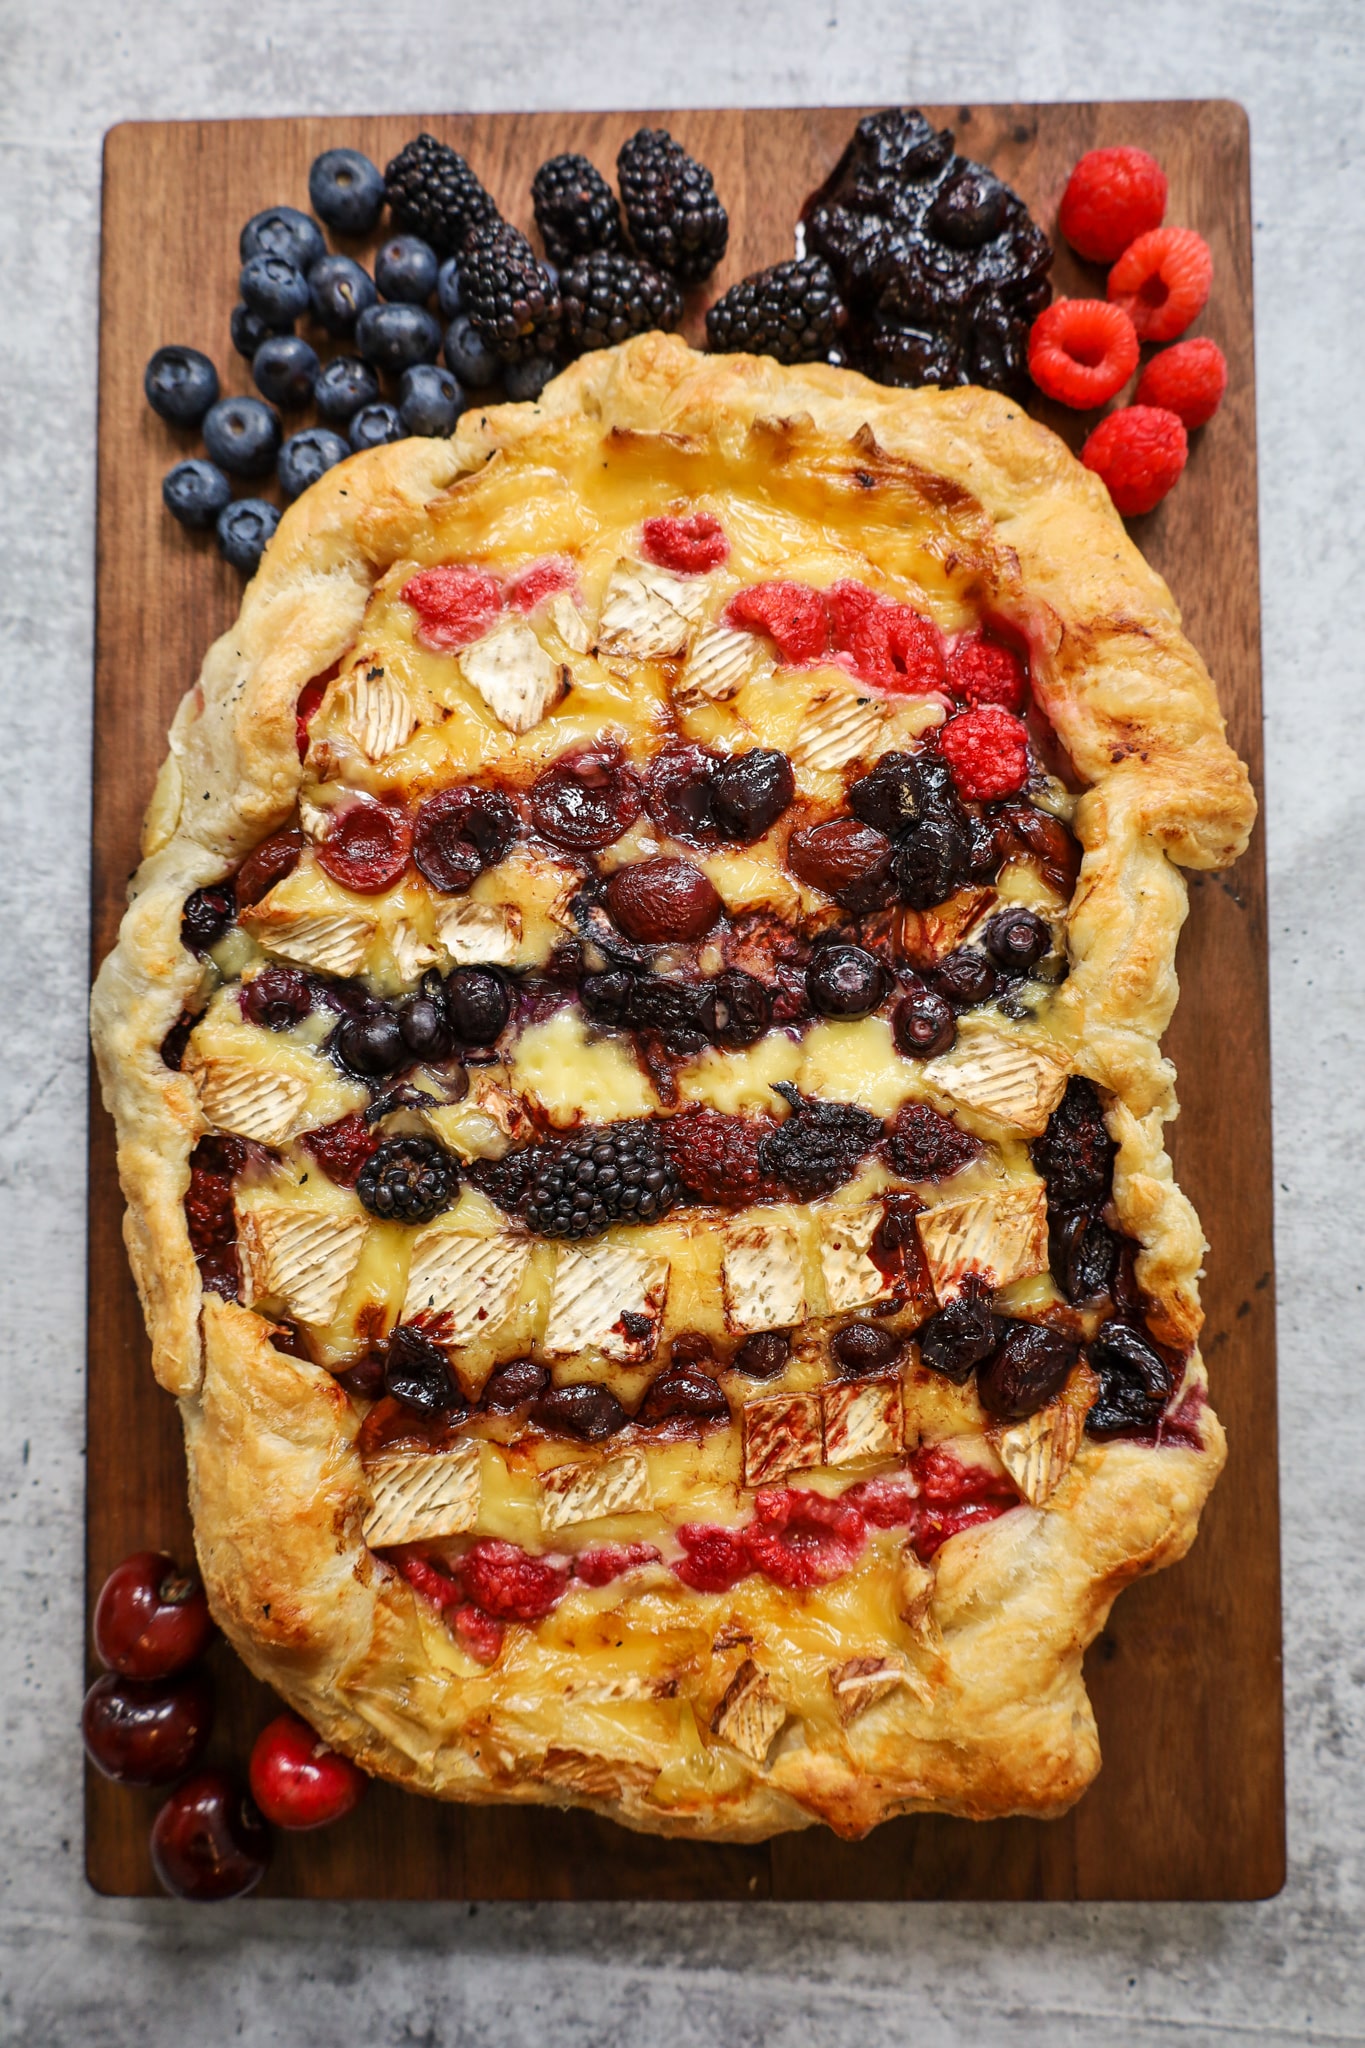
<point x="524" y="381"/>
<point x="244" y="529"/>
<point x="845" y="981"/>
<point x="750" y="791"/>
<point x="195" y="492"/>
<point x="955" y="1341"/>
<point x="347" y="191"/>
<point x="426" y="1028"/>
<point x="430" y="400"/>
<point x="274" y="290"/>
<point x="393" y="337"/>
<point x="181" y="384"/>
<point x="930" y="863"/>
<point x="305" y="456"/>
<point x="248" y="331"/>
<point x="277" y="997"/>
<point x="206" y="915"/>
<point x="468" y="354"/>
<point x="342" y="386"/>
<point x="242" y="435"/>
<point x="922" y="1024"/>
<point x="375" y="425"/>
<point x="372" y="1042"/>
<point x="285" y="232"/>
<point x="284" y="369"/>
<point x="1018" y="939"/>
<point x="448" y="288"/>
<point x="339" y="292"/>
<point x="964" y="979"/>
<point x="478" y="1003"/>
<point x="1029" y="1368"/>
<point x="736" y="1010"/>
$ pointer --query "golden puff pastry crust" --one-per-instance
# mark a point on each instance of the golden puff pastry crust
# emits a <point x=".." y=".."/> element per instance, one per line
<point x="898" y="1685"/>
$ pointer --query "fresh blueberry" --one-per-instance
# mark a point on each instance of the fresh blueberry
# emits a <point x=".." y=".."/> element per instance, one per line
<point x="395" y="337"/>
<point x="429" y="400"/>
<point x="243" y="436"/>
<point x="181" y="384"/>
<point x="283" y="231"/>
<point x="285" y="367"/>
<point x="195" y="492"/>
<point x="304" y="457"/>
<point x="243" y="530"/>
<point x="468" y="354"/>
<point x="273" y="288"/>
<point x="373" y="425"/>
<point x="249" y="330"/>
<point x="347" y="191"/>
<point x="340" y="291"/>
<point x="405" y="269"/>
<point x="448" y="288"/>
<point x="527" y="380"/>
<point x="343" y="386"/>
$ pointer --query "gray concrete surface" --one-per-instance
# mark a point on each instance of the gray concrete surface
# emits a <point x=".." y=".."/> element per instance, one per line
<point x="76" y="1969"/>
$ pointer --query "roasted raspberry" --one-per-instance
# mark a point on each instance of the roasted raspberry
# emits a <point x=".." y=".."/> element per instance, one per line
<point x="934" y="1526"/>
<point x="509" y="296"/>
<point x="603" y="1562"/>
<point x="716" y="1157"/>
<point x="454" y="604"/>
<point x="210" y="1217"/>
<point x="791" y="311"/>
<point x="1135" y="1382"/>
<point x="341" y="1149"/>
<point x="533" y="586"/>
<point x="714" y="1559"/>
<point x="458" y="833"/>
<point x="671" y="208"/>
<point x="587" y="1412"/>
<point x="408" y="1180"/>
<point x="367" y="847"/>
<point x="433" y="193"/>
<point x="1028" y="1369"/>
<point x="608" y="296"/>
<point x="587" y="798"/>
<point x="802" y="1538"/>
<point x="987" y="752"/>
<point x="1188" y="380"/>
<point x="791" y="614"/>
<point x="819" y="1146"/>
<point x="277" y="997"/>
<point x="888" y="645"/>
<point x="982" y="671"/>
<point x="656" y="901"/>
<point x="1082" y="351"/>
<point x="1075" y="1154"/>
<point x="1112" y="197"/>
<point x="606" y="1173"/>
<point x="946" y="1483"/>
<point x="1140" y="452"/>
<point x="689" y="547"/>
<point x="267" y="864"/>
<point x="1162" y="282"/>
<point x="511" y="1585"/>
<point x="883" y="1503"/>
<point x="923" y="1145"/>
<point x="576" y="209"/>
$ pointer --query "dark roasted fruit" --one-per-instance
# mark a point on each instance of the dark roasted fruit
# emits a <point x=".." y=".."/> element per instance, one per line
<point x="1029" y="1368"/>
<point x="606" y="1173"/>
<point x="932" y="861"/>
<point x="1075" y="1154"/>
<point x="847" y="859"/>
<point x="296" y="1781"/>
<point x="924" y="1145"/>
<point x="750" y="791"/>
<point x="151" y="1618"/>
<point x="608" y="296"/>
<point x="922" y="1024"/>
<point x="655" y="901"/>
<point x="791" y="311"/>
<point x="417" y="1373"/>
<point x="342" y="1148"/>
<point x="684" y="1393"/>
<point x="372" y="1042"/>
<point x="509" y="296"/>
<point x="819" y="1145"/>
<point x="426" y="1028"/>
<point x="1018" y="939"/>
<point x="511" y="1386"/>
<point x="764" y="1355"/>
<point x="576" y="209"/>
<point x="845" y="981"/>
<point x="210" y="1217"/>
<point x="964" y="979"/>
<point x="716" y="1156"/>
<point x="367" y="847"/>
<point x="861" y="1349"/>
<point x="277" y="997"/>
<point x="144" y="1732"/>
<point x="265" y="865"/>
<point x="206" y="916"/>
<point x="478" y="1004"/>
<point x="585" y="1411"/>
<point x="736" y="1009"/>
<point x="459" y="832"/>
<point x="955" y="1341"/>
<point x="606" y="997"/>
<point x="1081" y="1252"/>
<point x="903" y="789"/>
<point x="1135" y="1382"/>
<point x="364" y="1377"/>
<point x="587" y="798"/>
<point x="208" y="1841"/>
<point x="671" y="208"/>
<point x="680" y="789"/>
<point x="408" y="1180"/>
<point x="677" y="1010"/>
<point x="433" y="193"/>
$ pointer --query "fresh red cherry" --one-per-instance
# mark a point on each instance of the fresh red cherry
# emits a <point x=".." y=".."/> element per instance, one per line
<point x="141" y="1733"/>
<point x="151" y="1619"/>
<point x="297" y="1781"/>
<point x="208" y="1840"/>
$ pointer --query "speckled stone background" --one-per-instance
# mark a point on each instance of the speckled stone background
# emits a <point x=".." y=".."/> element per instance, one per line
<point x="78" y="1969"/>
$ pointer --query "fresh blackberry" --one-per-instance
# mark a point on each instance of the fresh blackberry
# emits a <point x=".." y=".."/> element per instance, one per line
<point x="508" y="295"/>
<point x="819" y="1146"/>
<point x="576" y="209"/>
<point x="408" y="1180"/>
<point x="608" y="296"/>
<point x="608" y="1173"/>
<point x="791" y="311"/>
<point x="672" y="212"/>
<point x="433" y="193"/>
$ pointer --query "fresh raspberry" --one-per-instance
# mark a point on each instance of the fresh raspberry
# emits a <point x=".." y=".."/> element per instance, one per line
<point x="604" y="1562"/>
<point x="341" y="1149"/>
<point x="715" y="1559"/>
<point x="884" y="1503"/>
<point x="1082" y="351"/>
<point x="791" y="614"/>
<point x="530" y="587"/>
<point x="716" y="1157"/>
<point x="1188" y="380"/>
<point x="454" y="605"/>
<point x="1162" y="282"/>
<point x="687" y="546"/>
<point x="1112" y="197"/>
<point x="480" y="1634"/>
<point x="982" y="671"/>
<point x="888" y="645"/>
<point x="1139" y="451"/>
<point x="367" y="848"/>
<point x="430" y="1581"/>
<point x="987" y="752"/>
<point x="800" y="1538"/>
<point x="944" y="1482"/>
<point x="511" y="1585"/>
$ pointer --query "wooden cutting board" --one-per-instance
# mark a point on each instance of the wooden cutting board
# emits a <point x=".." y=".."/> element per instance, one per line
<point x="1186" y="1679"/>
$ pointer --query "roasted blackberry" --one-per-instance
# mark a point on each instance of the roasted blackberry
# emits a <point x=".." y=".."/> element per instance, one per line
<point x="1075" y="1154"/>
<point x="576" y="209"/>
<point x="608" y="1173"/>
<point x="792" y="311"/>
<point x="819" y="1146"/>
<point x="408" y="1180"/>
<point x="433" y="193"/>
<point x="672" y="212"/>
<point x="510" y="297"/>
<point x="608" y="296"/>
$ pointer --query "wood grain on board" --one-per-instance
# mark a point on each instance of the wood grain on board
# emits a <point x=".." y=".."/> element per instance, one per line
<point x="1186" y="1678"/>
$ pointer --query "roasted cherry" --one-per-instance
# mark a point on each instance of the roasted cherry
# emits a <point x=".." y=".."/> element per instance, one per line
<point x="848" y="860"/>
<point x="922" y="1024"/>
<point x="367" y="847"/>
<point x="479" y="1004"/>
<point x="208" y="1841"/>
<point x="145" y="1732"/>
<point x="270" y="862"/>
<point x="764" y="1355"/>
<point x="1135" y="1382"/>
<point x="678" y="790"/>
<point x="894" y="794"/>
<point x="860" y="1349"/>
<point x="656" y="901"/>
<point x="511" y="1386"/>
<point x="364" y="1377"/>
<point x="206" y="916"/>
<point x="749" y="793"/>
<point x="931" y="862"/>
<point x="684" y="1393"/>
<point x="1030" y="1367"/>
<point x="277" y="997"/>
<point x="151" y="1618"/>
<point x="606" y="998"/>
<point x="964" y="979"/>
<point x="296" y="1781"/>
<point x="587" y="798"/>
<point x="425" y="1028"/>
<point x="417" y="1372"/>
<point x="458" y="833"/>
<point x="1082" y="1253"/>
<point x="736" y="1010"/>
<point x="586" y="1411"/>
<point x="955" y="1341"/>
<point x="1018" y="939"/>
<point x="372" y="1043"/>
<point x="845" y="981"/>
